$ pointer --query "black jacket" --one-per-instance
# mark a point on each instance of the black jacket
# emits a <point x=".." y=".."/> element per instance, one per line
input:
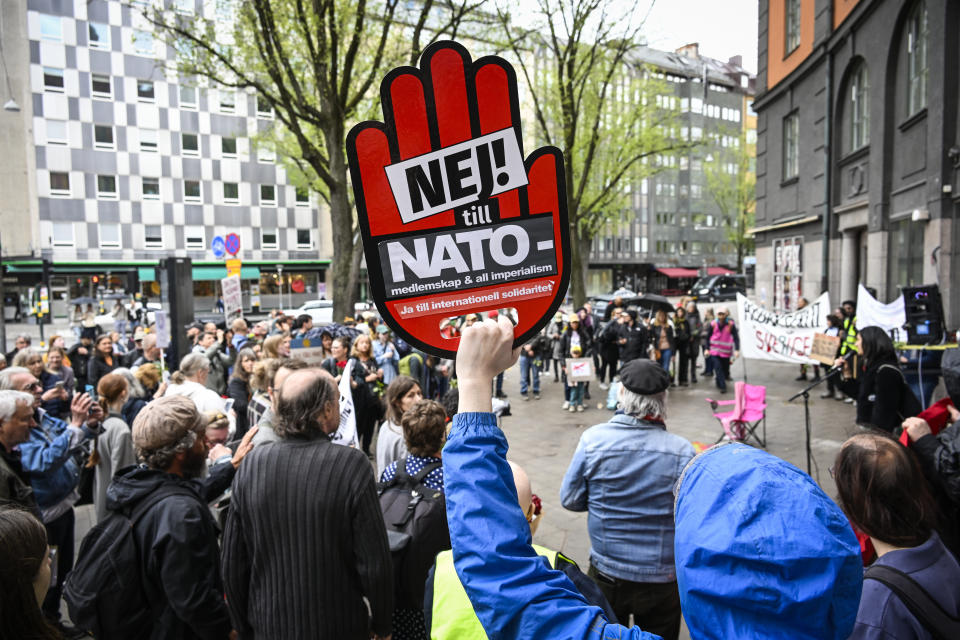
<point x="97" y="368"/>
<point x="180" y="557"/>
<point x="608" y="340"/>
<point x="586" y="343"/>
<point x="637" y="338"/>
<point x="884" y="399"/>
<point x="79" y="362"/>
<point x="941" y="453"/>
<point x="239" y="390"/>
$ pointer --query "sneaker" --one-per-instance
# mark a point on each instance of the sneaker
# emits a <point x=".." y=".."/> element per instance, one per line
<point x="572" y="409"/>
<point x="848" y="400"/>
<point x="826" y="394"/>
<point x="802" y="378"/>
<point x="837" y="395"/>
<point x="566" y="405"/>
<point x="524" y="396"/>
<point x="579" y="407"/>
<point x="536" y="396"/>
<point x="693" y="380"/>
<point x="604" y="385"/>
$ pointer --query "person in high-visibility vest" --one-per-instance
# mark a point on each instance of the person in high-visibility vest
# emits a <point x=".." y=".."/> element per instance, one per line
<point x="848" y="343"/>
<point x="446" y="608"/>
<point x="723" y="345"/>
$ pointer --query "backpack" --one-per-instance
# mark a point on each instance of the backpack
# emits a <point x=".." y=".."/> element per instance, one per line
<point x="416" y="520"/>
<point x="940" y="624"/>
<point x="104" y="591"/>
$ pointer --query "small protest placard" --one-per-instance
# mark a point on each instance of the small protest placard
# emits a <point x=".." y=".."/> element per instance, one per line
<point x="232" y="297"/>
<point x="310" y="351"/>
<point x="454" y="218"/>
<point x="579" y="369"/>
<point x="825" y="348"/>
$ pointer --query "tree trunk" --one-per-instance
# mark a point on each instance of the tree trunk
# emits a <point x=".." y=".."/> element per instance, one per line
<point x="579" y="262"/>
<point x="345" y="275"/>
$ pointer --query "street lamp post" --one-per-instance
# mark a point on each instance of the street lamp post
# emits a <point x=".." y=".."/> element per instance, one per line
<point x="280" y="274"/>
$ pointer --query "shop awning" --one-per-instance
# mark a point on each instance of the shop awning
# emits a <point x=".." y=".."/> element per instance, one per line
<point x="678" y="272"/>
<point x="147" y="274"/>
<point x="719" y="271"/>
<point x="218" y="273"/>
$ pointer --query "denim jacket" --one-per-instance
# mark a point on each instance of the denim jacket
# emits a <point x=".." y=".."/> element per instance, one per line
<point x="47" y="459"/>
<point x="623" y="473"/>
<point x="389" y="363"/>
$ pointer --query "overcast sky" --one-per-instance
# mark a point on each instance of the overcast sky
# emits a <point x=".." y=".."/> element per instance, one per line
<point x="724" y="28"/>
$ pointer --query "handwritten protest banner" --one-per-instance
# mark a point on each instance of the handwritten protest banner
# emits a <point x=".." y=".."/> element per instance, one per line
<point x="784" y="337"/>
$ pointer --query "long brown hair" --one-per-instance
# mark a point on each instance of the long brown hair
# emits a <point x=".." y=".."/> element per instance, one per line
<point x="109" y="389"/>
<point x="393" y="396"/>
<point x="23" y="549"/>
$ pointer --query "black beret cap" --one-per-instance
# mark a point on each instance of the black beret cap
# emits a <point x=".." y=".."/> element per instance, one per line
<point x="645" y="377"/>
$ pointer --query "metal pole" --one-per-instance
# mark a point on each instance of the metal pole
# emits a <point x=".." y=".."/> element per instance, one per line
<point x="3" y="309"/>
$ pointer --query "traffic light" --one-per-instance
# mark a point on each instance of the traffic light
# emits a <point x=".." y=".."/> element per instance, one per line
<point x="96" y="279"/>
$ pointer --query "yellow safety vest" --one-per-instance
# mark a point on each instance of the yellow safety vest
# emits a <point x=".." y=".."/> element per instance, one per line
<point x="850" y="339"/>
<point x="452" y="616"/>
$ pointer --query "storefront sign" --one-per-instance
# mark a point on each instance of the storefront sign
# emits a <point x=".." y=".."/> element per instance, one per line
<point x="233" y="267"/>
<point x="785" y="337"/>
<point x="454" y="220"/>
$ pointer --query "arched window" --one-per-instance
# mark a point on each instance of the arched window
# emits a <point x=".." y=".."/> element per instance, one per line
<point x="859" y="108"/>
<point x="916" y="39"/>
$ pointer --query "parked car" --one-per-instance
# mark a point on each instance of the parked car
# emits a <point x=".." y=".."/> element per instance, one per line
<point x="320" y="310"/>
<point x="715" y="288"/>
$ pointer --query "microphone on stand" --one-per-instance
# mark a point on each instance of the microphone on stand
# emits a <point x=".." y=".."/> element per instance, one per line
<point x="846" y="358"/>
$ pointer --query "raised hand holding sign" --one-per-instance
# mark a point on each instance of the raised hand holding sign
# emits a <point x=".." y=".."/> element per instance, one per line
<point x="454" y="220"/>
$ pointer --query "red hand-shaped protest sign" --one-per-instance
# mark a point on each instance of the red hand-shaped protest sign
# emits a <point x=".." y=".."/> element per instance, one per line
<point x="454" y="220"/>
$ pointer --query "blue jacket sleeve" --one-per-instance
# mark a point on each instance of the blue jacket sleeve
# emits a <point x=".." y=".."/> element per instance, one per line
<point x="514" y="592"/>
<point x="39" y="455"/>
<point x="573" y="491"/>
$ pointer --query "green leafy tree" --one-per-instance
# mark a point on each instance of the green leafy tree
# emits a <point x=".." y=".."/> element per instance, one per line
<point x="608" y="114"/>
<point x="732" y="183"/>
<point x="318" y="65"/>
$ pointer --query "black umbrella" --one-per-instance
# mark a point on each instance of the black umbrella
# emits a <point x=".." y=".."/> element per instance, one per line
<point x="655" y="303"/>
<point x="84" y="300"/>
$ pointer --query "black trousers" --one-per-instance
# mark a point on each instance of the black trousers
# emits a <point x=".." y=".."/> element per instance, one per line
<point x="683" y="357"/>
<point x="608" y="366"/>
<point x="655" y="606"/>
<point x="59" y="535"/>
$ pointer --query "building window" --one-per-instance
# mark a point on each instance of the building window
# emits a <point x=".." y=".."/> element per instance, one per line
<point x="151" y="188"/>
<point x="153" y="236"/>
<point x="787" y="273"/>
<point x="191" y="191"/>
<point x="917" y="59"/>
<point x="906" y="255"/>
<point x="193" y="237"/>
<point x="228" y="101"/>
<point x="56" y="132"/>
<point x="228" y="146"/>
<point x="103" y="137"/>
<point x="145" y="90"/>
<point x="792" y="26"/>
<point x="100" y="86"/>
<point x="264" y="109"/>
<point x="304" y="239"/>
<point x="51" y="28"/>
<point x="107" y="187"/>
<point x="98" y="35"/>
<point x="52" y="80"/>
<point x="268" y="238"/>
<point x="59" y="184"/>
<point x="268" y="194"/>
<point x="190" y="143"/>
<point x="266" y="154"/>
<point x="791" y="152"/>
<point x="859" y="108"/>
<point x="303" y="197"/>
<point x="109" y="235"/>
<point x="62" y="234"/>
<point x="188" y="97"/>
<point x="143" y="43"/>
<point x="148" y="140"/>
<point x="184" y="6"/>
<point x="231" y="193"/>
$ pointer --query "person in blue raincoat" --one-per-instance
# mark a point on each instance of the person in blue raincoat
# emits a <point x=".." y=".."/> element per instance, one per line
<point x="761" y="551"/>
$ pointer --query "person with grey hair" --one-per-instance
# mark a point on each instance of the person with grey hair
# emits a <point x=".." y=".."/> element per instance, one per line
<point x="176" y="534"/>
<point x="191" y="381"/>
<point x="16" y="420"/>
<point x="623" y="473"/>
<point x="22" y="342"/>
<point x="326" y="498"/>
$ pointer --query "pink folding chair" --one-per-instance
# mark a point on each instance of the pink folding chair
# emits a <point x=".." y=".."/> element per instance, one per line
<point x="748" y="414"/>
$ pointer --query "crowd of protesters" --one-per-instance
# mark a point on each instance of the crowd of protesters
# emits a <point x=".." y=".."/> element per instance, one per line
<point x="430" y="535"/>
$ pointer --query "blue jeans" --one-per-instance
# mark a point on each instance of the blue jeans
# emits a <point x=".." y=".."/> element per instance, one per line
<point x="665" y="356"/>
<point x="528" y="364"/>
<point x="576" y="393"/>
<point x="721" y="371"/>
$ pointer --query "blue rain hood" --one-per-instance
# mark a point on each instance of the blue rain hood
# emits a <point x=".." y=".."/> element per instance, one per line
<point x="761" y="551"/>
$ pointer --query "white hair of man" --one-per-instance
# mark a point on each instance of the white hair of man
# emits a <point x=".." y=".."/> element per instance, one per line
<point x="7" y="376"/>
<point x="9" y="400"/>
<point x="638" y="406"/>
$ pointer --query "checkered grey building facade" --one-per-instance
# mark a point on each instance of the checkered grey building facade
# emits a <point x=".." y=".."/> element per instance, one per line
<point x="135" y="163"/>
